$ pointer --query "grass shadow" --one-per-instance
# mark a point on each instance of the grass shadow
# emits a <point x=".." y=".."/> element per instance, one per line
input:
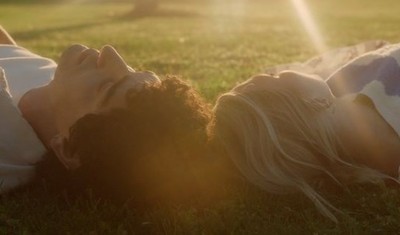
<point x="30" y="34"/>
<point x="162" y="13"/>
<point x="130" y="16"/>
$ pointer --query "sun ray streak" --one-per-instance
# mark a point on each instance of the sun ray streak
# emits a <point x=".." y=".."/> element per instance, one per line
<point x="309" y="25"/>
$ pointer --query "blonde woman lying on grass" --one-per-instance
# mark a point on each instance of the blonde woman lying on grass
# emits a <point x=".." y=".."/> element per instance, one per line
<point x="334" y="119"/>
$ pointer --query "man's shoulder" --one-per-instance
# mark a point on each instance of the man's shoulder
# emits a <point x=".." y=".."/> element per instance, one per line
<point x="19" y="140"/>
<point x="20" y="145"/>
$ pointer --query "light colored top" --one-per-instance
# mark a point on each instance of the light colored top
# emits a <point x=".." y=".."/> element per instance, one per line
<point x="20" y="148"/>
<point x="376" y="75"/>
<point x="370" y="68"/>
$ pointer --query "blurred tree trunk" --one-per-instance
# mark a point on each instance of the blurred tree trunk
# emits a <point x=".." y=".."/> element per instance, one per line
<point x="145" y="7"/>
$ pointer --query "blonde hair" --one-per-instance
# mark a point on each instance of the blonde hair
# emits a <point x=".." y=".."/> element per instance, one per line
<point x="285" y="144"/>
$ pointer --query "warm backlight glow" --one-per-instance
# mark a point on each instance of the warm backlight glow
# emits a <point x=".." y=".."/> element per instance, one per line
<point x="309" y="25"/>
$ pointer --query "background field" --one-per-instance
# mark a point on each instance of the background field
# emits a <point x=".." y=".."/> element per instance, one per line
<point x="214" y="44"/>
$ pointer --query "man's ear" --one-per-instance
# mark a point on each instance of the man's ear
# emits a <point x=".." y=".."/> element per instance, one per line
<point x="59" y="144"/>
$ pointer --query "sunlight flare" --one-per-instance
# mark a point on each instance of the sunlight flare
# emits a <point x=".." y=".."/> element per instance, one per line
<point x="309" y="25"/>
<point x="228" y="14"/>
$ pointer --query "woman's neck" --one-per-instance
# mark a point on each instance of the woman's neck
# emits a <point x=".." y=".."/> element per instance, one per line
<point x="36" y="109"/>
<point x="366" y="137"/>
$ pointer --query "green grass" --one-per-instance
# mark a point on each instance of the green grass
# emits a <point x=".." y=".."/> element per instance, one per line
<point x="214" y="46"/>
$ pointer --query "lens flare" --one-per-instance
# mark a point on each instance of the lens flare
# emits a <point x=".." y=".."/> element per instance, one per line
<point x="309" y="25"/>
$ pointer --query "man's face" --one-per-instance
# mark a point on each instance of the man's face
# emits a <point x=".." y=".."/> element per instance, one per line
<point x="89" y="81"/>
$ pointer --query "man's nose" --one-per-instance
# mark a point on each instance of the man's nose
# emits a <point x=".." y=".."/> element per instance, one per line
<point x="112" y="62"/>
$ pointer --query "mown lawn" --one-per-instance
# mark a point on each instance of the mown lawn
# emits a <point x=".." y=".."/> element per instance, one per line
<point x="215" y="45"/>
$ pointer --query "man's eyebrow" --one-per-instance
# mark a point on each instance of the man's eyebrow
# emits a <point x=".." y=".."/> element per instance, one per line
<point x="112" y="90"/>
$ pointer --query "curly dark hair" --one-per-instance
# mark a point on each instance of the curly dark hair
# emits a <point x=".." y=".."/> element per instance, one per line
<point x="153" y="150"/>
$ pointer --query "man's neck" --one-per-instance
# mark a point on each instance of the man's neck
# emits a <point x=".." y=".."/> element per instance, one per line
<point x="36" y="109"/>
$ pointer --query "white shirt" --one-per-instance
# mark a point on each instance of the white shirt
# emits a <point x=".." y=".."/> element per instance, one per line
<point x="24" y="70"/>
<point x="20" y="148"/>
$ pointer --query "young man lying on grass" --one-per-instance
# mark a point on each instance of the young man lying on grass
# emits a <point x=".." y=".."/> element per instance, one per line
<point x="94" y="122"/>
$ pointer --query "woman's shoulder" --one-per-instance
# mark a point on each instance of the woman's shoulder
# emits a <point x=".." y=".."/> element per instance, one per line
<point x="368" y="137"/>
